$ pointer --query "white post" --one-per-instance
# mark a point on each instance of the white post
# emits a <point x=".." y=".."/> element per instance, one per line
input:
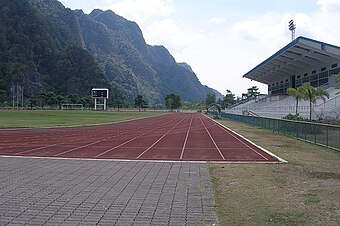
<point x="95" y="104"/>
<point x="17" y="96"/>
<point x="104" y="104"/>
<point x="22" y="97"/>
<point x="13" y="90"/>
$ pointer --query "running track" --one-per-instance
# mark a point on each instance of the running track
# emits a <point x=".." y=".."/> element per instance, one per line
<point x="171" y="137"/>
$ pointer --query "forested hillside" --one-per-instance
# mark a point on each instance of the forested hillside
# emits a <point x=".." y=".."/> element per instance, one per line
<point x="47" y="47"/>
<point x="39" y="52"/>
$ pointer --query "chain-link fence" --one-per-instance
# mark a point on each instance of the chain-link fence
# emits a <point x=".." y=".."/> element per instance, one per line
<point x="326" y="135"/>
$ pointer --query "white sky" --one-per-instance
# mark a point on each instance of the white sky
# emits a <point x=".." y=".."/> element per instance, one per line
<point x="224" y="39"/>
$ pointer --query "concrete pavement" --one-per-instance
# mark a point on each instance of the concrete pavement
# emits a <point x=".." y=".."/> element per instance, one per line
<point x="37" y="191"/>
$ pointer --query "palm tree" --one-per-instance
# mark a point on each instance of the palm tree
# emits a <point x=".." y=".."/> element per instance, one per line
<point x="336" y="80"/>
<point x="297" y="94"/>
<point x="311" y="94"/>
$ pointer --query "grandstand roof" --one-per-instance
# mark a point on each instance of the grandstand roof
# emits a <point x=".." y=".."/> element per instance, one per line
<point x="300" y="55"/>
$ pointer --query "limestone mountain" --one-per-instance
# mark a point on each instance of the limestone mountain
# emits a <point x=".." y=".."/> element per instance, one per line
<point x="47" y="47"/>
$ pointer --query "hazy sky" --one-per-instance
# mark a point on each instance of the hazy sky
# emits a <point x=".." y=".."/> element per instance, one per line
<point x="224" y="39"/>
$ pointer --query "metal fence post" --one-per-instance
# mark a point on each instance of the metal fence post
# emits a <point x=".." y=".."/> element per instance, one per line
<point x="327" y="136"/>
<point x="314" y="134"/>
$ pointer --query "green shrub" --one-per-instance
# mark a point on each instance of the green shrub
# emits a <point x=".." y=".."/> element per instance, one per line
<point x="296" y="117"/>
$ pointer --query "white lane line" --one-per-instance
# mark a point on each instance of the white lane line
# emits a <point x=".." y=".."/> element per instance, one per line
<point x="248" y="146"/>
<point x="74" y="149"/>
<point x="159" y="139"/>
<point x="56" y="144"/>
<point x="186" y="137"/>
<point x="52" y="145"/>
<point x="111" y="149"/>
<point x="212" y="139"/>
<point x="126" y="142"/>
<point x="261" y="148"/>
<point x="241" y="141"/>
<point x="6" y="147"/>
<point x="35" y="149"/>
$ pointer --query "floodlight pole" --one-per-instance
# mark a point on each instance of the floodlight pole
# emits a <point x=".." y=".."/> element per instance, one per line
<point x="292" y="27"/>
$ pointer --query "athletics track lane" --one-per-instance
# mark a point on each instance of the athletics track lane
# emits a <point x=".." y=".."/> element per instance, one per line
<point x="176" y="136"/>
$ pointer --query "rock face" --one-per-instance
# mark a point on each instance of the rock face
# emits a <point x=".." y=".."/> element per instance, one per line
<point x="47" y="47"/>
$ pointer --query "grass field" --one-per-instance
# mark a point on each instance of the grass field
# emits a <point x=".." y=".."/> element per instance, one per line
<point x="303" y="192"/>
<point x="36" y="119"/>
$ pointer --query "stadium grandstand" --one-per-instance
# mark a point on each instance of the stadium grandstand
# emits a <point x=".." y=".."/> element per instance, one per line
<point x="303" y="60"/>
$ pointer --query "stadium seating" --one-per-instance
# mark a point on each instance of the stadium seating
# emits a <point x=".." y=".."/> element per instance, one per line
<point x="280" y="106"/>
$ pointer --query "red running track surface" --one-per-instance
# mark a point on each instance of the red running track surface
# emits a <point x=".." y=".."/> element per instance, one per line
<point x="171" y="137"/>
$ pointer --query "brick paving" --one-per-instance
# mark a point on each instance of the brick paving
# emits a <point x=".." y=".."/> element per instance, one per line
<point x="96" y="192"/>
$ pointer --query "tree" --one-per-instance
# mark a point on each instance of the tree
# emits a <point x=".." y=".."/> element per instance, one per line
<point x="228" y="99"/>
<point x="51" y="98"/>
<point x="118" y="99"/>
<point x="42" y="98"/>
<point x="297" y="94"/>
<point x="210" y="99"/>
<point x="336" y="80"/>
<point x="88" y="101"/>
<point x="173" y="101"/>
<point x="60" y="99"/>
<point x="145" y="104"/>
<point x="3" y="96"/>
<point x="31" y="101"/>
<point x="245" y="96"/>
<point x="73" y="98"/>
<point x="139" y="102"/>
<point x="118" y="103"/>
<point x="252" y="93"/>
<point x="219" y="101"/>
<point x="311" y="94"/>
<point x="194" y="105"/>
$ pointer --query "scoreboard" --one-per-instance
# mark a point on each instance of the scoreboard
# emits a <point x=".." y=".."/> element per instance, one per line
<point x="100" y="93"/>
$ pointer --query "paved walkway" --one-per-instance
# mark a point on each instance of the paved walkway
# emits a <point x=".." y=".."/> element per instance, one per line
<point x="98" y="192"/>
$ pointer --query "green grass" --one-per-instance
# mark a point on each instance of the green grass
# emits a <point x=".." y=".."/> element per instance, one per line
<point x="37" y="119"/>
<point x="305" y="191"/>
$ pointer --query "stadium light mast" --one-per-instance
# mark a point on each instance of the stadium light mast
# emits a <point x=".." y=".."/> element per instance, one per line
<point x="292" y="27"/>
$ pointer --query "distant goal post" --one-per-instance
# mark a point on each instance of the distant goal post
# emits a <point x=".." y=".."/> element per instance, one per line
<point x="72" y="107"/>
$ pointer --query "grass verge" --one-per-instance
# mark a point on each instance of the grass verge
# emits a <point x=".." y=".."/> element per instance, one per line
<point x="303" y="192"/>
<point x="38" y="119"/>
